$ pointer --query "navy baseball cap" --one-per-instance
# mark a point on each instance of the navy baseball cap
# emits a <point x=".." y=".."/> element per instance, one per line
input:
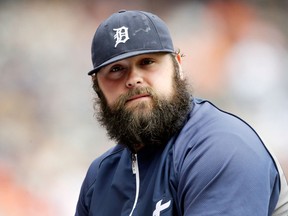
<point x="126" y="34"/>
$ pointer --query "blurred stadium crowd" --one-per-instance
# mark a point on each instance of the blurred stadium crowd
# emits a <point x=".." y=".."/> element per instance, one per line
<point x="236" y="55"/>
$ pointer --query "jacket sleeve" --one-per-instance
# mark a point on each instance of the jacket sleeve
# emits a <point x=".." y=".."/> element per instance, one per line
<point x="228" y="175"/>
<point x="83" y="204"/>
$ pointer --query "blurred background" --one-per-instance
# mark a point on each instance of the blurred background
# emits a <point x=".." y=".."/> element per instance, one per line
<point x="236" y="55"/>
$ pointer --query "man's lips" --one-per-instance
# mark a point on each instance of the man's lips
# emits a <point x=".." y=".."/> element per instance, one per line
<point x="135" y="97"/>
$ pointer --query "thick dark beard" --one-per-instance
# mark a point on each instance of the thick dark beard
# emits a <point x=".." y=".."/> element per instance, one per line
<point x="132" y="128"/>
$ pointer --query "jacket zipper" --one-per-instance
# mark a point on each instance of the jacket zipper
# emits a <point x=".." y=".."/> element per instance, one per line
<point x="135" y="170"/>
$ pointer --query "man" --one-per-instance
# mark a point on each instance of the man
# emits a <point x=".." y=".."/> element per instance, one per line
<point x="175" y="154"/>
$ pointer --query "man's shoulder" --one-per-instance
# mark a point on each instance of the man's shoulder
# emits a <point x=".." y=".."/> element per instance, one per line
<point x="212" y="130"/>
<point x="206" y="118"/>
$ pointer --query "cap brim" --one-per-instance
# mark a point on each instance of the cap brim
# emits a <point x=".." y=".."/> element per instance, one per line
<point x="127" y="55"/>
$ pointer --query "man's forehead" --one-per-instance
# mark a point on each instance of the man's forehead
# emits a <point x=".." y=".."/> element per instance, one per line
<point x="136" y="58"/>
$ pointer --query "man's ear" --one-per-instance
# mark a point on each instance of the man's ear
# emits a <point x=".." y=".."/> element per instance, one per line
<point x="95" y="84"/>
<point x="179" y="60"/>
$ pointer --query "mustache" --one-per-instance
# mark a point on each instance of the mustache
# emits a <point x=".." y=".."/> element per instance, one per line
<point x="121" y="101"/>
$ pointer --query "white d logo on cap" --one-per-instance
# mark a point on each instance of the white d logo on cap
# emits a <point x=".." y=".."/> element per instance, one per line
<point x="121" y="35"/>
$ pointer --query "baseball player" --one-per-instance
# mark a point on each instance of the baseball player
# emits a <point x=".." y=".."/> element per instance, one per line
<point x="175" y="154"/>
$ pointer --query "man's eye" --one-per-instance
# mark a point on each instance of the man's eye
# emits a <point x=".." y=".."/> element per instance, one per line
<point x="115" y="72"/>
<point x="147" y="61"/>
<point x="116" y="69"/>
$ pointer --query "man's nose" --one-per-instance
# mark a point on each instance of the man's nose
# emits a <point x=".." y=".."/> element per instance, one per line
<point x="134" y="78"/>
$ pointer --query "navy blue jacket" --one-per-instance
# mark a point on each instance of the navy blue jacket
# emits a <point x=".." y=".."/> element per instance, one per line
<point x="216" y="165"/>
